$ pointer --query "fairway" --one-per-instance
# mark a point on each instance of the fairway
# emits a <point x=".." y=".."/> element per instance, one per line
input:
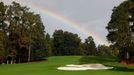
<point x="50" y="67"/>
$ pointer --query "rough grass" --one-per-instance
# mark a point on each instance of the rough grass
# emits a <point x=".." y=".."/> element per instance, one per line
<point x="49" y="67"/>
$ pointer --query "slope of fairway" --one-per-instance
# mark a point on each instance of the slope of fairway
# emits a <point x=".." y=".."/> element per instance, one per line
<point x="50" y="67"/>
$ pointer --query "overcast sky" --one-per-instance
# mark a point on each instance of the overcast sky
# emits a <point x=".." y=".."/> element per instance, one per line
<point x="92" y="15"/>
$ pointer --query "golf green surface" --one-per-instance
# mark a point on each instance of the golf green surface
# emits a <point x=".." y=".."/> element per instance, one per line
<point x="50" y="67"/>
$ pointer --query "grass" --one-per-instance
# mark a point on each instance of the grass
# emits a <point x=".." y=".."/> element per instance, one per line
<point x="49" y="67"/>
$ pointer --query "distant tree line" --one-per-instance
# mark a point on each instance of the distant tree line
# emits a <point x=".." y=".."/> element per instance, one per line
<point x="67" y="43"/>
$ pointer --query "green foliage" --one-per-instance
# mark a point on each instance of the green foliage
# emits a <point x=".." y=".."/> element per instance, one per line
<point x="89" y="47"/>
<point x="3" y="27"/>
<point x="103" y="50"/>
<point x="66" y="43"/>
<point x="121" y="29"/>
<point x="49" y="45"/>
<point x="22" y="31"/>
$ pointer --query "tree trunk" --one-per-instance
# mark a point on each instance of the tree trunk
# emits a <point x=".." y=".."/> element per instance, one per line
<point x="29" y="53"/>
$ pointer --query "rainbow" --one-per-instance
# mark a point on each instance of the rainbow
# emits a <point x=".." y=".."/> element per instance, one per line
<point x="65" y="20"/>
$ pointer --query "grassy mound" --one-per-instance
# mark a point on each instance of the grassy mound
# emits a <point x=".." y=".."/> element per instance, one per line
<point x="50" y="67"/>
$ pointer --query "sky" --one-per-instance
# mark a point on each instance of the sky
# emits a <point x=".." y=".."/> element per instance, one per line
<point x="83" y="17"/>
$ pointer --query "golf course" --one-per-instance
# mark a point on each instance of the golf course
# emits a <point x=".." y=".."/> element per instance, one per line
<point x="50" y="66"/>
<point x="66" y="37"/>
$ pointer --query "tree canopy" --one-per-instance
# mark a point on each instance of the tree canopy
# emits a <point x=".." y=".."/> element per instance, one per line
<point x="89" y="47"/>
<point x="20" y="30"/>
<point x="121" y="28"/>
<point x="66" y="43"/>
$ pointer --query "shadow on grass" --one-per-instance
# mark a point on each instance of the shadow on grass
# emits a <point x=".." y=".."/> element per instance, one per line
<point x="107" y="61"/>
<point x="123" y="69"/>
<point x="96" y="59"/>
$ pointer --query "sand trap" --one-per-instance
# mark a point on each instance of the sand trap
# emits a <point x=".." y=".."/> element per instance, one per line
<point x="84" y="67"/>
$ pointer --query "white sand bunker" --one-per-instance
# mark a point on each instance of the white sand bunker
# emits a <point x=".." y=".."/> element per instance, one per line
<point x="85" y="67"/>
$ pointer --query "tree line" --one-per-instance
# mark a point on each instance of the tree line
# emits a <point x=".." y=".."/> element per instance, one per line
<point x="21" y="33"/>
<point x="23" y="37"/>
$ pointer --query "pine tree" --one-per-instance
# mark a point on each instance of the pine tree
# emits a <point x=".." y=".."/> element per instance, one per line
<point x="121" y="29"/>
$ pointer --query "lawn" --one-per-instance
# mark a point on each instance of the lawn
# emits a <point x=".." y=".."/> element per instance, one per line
<point x="49" y="67"/>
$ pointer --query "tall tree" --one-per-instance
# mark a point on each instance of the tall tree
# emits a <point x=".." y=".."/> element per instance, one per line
<point x="3" y="32"/>
<point x="58" y="41"/>
<point x="66" y="43"/>
<point x="121" y="29"/>
<point x="22" y="30"/>
<point x="49" y="45"/>
<point x="89" y="46"/>
<point x="71" y="43"/>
